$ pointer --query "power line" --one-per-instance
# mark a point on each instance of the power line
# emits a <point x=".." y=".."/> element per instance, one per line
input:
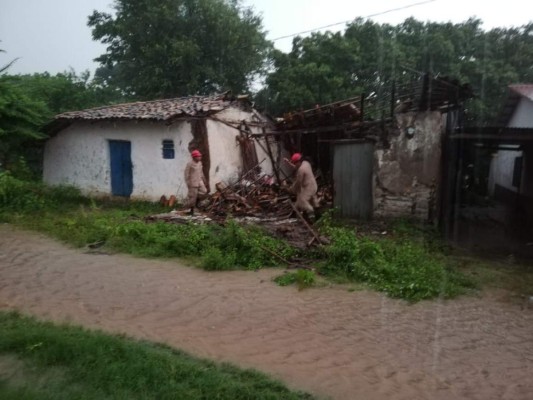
<point x="350" y="20"/>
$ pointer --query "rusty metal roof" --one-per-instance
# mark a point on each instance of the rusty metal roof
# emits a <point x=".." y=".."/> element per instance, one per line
<point x="158" y="110"/>
<point x="524" y="90"/>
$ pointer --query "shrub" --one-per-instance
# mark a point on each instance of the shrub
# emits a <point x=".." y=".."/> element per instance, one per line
<point x="17" y="195"/>
<point x="25" y="196"/>
<point x="303" y="278"/>
<point x="401" y="268"/>
<point x="250" y="247"/>
<point x="215" y="259"/>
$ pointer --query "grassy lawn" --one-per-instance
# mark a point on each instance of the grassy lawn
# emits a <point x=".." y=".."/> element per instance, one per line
<point x="40" y="360"/>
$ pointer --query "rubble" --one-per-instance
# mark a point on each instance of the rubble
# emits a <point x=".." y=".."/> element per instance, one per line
<point x="257" y="200"/>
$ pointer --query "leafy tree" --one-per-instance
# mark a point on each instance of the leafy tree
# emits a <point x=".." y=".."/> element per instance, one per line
<point x="169" y="48"/>
<point x="28" y="102"/>
<point x="318" y="70"/>
<point x="66" y="91"/>
<point x="20" y="120"/>
<point x="368" y="57"/>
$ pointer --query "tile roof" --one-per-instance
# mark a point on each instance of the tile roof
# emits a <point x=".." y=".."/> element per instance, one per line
<point x="525" y="90"/>
<point x="159" y="110"/>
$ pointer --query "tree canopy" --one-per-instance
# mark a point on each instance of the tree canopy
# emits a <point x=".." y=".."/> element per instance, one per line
<point x="368" y="57"/>
<point x="20" y="119"/>
<point x="171" y="48"/>
<point x="28" y="102"/>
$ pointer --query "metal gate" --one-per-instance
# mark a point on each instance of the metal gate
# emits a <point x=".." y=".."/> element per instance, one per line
<point x="352" y="178"/>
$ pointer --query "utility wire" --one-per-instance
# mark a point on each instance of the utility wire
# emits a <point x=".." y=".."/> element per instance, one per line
<point x="351" y="20"/>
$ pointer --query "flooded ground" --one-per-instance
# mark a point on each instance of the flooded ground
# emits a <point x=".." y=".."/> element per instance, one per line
<point x="328" y="341"/>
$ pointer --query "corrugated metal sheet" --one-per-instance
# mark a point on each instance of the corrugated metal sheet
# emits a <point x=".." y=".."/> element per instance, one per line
<point x="352" y="175"/>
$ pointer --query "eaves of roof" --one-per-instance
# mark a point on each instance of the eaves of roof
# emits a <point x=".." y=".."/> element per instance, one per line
<point x="524" y="90"/>
<point x="165" y="110"/>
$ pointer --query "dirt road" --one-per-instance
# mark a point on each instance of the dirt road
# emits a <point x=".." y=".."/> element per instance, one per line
<point x="327" y="341"/>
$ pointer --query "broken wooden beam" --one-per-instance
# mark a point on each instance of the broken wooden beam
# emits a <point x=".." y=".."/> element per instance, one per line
<point x="315" y="235"/>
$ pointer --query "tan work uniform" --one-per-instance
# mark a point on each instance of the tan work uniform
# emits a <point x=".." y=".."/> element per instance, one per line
<point x="305" y="188"/>
<point x="194" y="178"/>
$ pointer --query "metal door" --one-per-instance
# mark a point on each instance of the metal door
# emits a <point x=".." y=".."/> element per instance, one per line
<point x="352" y="177"/>
<point x="121" y="168"/>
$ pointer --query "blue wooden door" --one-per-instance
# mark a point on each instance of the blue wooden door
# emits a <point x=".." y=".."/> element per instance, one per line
<point x="121" y="168"/>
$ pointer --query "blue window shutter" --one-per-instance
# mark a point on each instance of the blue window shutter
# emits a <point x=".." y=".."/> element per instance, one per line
<point x="168" y="149"/>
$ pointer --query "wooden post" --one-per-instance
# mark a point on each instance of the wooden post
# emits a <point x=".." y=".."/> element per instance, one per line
<point x="269" y="151"/>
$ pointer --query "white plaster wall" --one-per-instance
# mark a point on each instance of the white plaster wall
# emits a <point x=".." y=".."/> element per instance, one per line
<point x="501" y="170"/>
<point x="79" y="155"/>
<point x="523" y="114"/>
<point x="225" y="154"/>
<point x="502" y="166"/>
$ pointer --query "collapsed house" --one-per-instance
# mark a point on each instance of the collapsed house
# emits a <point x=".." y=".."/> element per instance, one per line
<point x="380" y="157"/>
<point x="139" y="150"/>
<point x="372" y="157"/>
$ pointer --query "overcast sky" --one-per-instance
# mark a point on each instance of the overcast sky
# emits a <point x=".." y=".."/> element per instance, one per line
<point x="52" y="35"/>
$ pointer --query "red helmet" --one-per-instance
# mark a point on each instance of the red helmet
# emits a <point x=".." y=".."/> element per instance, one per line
<point x="296" y="157"/>
<point x="196" y="153"/>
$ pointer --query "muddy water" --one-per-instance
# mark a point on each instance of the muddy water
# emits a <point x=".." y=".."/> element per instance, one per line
<point x="327" y="341"/>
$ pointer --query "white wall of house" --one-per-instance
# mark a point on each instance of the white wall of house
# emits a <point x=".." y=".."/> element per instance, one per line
<point x="79" y="155"/>
<point x="225" y="153"/>
<point x="501" y="170"/>
<point x="523" y="114"/>
<point x="502" y="166"/>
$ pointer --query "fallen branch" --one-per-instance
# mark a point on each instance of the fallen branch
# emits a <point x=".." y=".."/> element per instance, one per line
<point x="275" y="255"/>
<point x="290" y="265"/>
<point x="315" y="235"/>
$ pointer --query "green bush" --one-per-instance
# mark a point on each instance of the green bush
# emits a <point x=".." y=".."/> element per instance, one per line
<point x="27" y="196"/>
<point x="401" y="268"/>
<point x="214" y="259"/>
<point x="17" y="195"/>
<point x="249" y="247"/>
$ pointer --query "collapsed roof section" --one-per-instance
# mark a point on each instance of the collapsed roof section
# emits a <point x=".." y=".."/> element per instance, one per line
<point x="427" y="93"/>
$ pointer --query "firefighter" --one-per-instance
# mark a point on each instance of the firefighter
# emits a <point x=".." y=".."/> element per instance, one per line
<point x="304" y="186"/>
<point x="195" y="180"/>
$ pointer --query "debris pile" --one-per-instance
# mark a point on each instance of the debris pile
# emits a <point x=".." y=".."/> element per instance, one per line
<point x="250" y="198"/>
<point x="255" y="199"/>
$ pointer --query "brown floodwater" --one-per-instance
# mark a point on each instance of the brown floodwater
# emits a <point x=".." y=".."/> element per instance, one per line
<point x="328" y="341"/>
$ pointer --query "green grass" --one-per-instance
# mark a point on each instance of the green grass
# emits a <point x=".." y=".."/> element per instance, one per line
<point x="64" y="214"/>
<point x="404" y="266"/>
<point x="302" y="278"/>
<point x="39" y="360"/>
<point x="411" y="264"/>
